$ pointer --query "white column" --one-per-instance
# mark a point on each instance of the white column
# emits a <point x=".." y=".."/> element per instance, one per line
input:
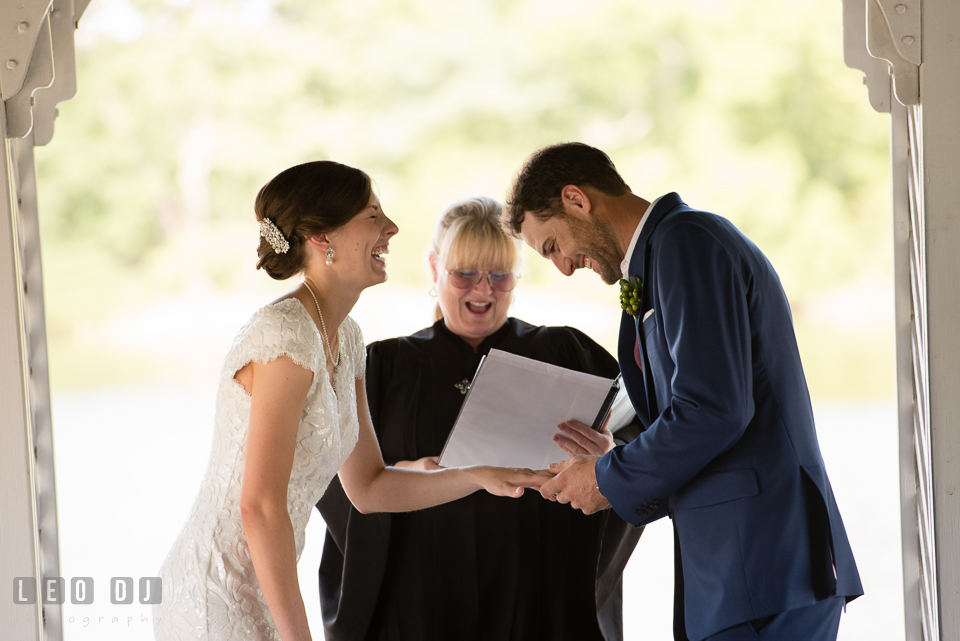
<point x="18" y="528"/>
<point x="37" y="72"/>
<point x="916" y="41"/>
<point x="940" y="139"/>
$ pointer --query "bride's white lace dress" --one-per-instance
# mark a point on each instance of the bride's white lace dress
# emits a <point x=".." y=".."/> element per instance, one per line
<point x="210" y="591"/>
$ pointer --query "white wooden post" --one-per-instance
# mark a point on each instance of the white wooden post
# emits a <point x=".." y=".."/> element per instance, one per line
<point x="910" y="54"/>
<point x="939" y="137"/>
<point x="37" y="72"/>
<point x="19" y="545"/>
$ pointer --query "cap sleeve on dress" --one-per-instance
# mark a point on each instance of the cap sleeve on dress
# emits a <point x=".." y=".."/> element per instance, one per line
<point x="283" y="329"/>
<point x="358" y="352"/>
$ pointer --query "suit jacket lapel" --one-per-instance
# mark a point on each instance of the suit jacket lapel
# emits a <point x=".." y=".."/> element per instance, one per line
<point x="647" y="374"/>
<point x="638" y="261"/>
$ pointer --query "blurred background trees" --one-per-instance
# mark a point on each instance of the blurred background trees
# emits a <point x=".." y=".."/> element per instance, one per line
<point x="186" y="107"/>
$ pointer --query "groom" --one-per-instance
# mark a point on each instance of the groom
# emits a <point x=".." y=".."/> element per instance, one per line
<point x="710" y="361"/>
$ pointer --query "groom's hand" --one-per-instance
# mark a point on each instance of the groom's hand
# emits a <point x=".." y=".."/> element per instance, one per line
<point x="579" y="438"/>
<point x="576" y="483"/>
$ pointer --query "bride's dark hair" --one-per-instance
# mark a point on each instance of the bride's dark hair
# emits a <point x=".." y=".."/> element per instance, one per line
<point x="304" y="201"/>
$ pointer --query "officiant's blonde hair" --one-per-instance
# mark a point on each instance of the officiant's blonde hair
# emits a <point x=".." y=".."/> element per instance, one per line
<point x="468" y="236"/>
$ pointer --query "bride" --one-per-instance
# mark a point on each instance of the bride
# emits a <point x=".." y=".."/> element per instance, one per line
<point x="292" y="413"/>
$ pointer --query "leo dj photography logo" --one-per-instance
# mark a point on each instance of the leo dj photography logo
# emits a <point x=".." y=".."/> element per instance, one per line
<point x="53" y="590"/>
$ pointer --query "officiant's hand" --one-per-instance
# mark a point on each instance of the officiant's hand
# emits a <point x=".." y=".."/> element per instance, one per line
<point x="424" y="464"/>
<point x="578" y="439"/>
<point x="576" y="483"/>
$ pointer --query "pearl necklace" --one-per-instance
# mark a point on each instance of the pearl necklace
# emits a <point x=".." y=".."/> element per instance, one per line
<point x="323" y="329"/>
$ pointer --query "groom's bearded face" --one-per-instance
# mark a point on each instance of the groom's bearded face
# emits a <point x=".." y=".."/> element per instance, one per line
<point x="594" y="239"/>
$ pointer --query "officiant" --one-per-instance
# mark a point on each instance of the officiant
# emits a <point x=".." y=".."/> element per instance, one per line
<point x="477" y="569"/>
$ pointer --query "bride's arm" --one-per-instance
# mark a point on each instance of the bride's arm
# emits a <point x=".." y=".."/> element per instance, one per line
<point x="279" y="390"/>
<point x="371" y="487"/>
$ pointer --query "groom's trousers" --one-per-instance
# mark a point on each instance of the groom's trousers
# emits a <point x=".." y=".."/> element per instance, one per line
<point x="817" y="622"/>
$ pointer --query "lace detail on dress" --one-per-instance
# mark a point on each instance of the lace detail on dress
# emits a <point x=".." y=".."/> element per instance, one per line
<point x="354" y="346"/>
<point x="275" y="330"/>
<point x="210" y="590"/>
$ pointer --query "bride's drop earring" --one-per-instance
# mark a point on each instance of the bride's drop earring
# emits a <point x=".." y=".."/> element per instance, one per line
<point x="432" y="291"/>
<point x="330" y="253"/>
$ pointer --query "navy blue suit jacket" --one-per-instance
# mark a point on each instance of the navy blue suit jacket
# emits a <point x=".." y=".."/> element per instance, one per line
<point x="730" y="450"/>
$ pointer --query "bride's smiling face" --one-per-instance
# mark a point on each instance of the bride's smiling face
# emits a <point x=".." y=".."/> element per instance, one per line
<point x="360" y="246"/>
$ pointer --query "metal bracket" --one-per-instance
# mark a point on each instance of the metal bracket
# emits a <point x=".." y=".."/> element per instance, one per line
<point x="894" y="35"/>
<point x="39" y="75"/>
<point x="20" y="22"/>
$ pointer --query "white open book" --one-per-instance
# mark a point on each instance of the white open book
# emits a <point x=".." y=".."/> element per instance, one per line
<point x="513" y="408"/>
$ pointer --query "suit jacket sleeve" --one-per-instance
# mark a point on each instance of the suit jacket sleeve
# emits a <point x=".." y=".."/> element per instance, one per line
<point x="698" y="340"/>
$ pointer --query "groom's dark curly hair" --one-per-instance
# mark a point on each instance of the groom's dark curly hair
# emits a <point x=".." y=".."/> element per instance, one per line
<point x="536" y="189"/>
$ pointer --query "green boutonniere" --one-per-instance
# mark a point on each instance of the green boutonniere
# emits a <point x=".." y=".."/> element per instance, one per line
<point x="630" y="295"/>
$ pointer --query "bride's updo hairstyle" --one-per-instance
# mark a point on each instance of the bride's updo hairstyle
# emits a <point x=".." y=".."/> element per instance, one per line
<point x="305" y="201"/>
<point x="468" y="236"/>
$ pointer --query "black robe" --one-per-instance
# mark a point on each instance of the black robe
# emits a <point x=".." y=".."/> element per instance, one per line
<point x="482" y="568"/>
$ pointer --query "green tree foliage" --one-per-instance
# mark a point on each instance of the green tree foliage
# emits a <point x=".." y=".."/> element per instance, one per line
<point x="186" y="107"/>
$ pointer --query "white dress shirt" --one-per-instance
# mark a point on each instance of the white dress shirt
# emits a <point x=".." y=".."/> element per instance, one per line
<point x="625" y="265"/>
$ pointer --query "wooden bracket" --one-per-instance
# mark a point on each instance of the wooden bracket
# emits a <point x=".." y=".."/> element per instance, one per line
<point x="893" y="34"/>
<point x="20" y="28"/>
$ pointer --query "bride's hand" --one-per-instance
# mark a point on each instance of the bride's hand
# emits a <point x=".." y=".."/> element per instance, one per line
<point x="424" y="464"/>
<point x="505" y="481"/>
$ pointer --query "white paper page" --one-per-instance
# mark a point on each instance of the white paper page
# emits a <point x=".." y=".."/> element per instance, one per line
<point x="513" y="409"/>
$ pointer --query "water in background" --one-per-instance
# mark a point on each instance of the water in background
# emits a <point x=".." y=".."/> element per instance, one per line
<point x="129" y="462"/>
